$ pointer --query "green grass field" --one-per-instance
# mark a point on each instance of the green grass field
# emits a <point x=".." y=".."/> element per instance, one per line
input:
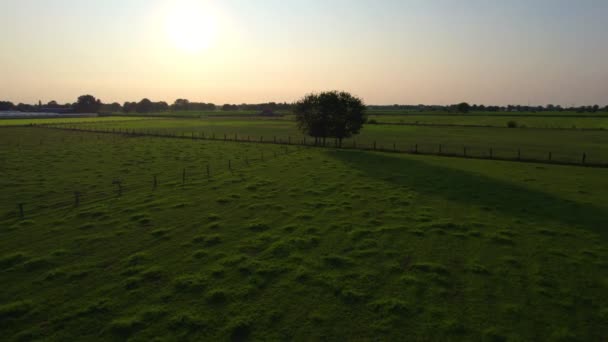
<point x="398" y="112"/>
<point x="46" y="121"/>
<point x="564" y="145"/>
<point x="198" y="113"/>
<point x="497" y="121"/>
<point x="306" y="244"/>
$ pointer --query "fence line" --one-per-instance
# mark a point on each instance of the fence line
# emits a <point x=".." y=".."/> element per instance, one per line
<point x="25" y="210"/>
<point x="439" y="150"/>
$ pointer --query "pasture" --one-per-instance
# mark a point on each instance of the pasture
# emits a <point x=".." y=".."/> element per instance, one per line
<point x="297" y="243"/>
<point x="555" y="122"/>
<point x="46" y="121"/>
<point x="536" y="144"/>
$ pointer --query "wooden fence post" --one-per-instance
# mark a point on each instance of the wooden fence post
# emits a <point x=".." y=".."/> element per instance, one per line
<point x="584" y="158"/>
<point x="374" y="144"/>
<point x="416" y="149"/>
<point x="465" y="151"/>
<point x="519" y="154"/>
<point x="229" y="165"/>
<point x="491" y="153"/>
<point x="439" y="148"/>
<point x="550" y="156"/>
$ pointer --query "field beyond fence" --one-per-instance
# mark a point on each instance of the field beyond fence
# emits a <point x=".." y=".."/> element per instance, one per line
<point x="448" y="150"/>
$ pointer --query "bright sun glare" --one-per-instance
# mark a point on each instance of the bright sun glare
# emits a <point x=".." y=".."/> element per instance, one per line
<point x="191" y="28"/>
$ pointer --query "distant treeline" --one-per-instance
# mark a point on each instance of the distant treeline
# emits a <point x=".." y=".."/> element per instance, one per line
<point x="465" y="107"/>
<point x="89" y="104"/>
<point x="147" y="106"/>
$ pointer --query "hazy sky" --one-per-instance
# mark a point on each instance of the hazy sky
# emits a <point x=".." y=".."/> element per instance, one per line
<point x="417" y="51"/>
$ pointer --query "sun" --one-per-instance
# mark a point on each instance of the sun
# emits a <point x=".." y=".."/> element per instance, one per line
<point x="191" y="28"/>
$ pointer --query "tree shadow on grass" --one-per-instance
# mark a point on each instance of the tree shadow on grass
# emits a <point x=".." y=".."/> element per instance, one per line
<point x="475" y="189"/>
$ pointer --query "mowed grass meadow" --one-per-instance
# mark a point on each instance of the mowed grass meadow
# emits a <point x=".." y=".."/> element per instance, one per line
<point x="598" y="121"/>
<point x="293" y="243"/>
<point x="566" y="145"/>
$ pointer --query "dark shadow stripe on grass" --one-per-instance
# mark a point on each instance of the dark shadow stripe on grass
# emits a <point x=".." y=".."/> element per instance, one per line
<point x="475" y="189"/>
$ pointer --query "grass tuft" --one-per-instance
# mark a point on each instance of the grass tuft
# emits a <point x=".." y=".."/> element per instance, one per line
<point x="15" y="309"/>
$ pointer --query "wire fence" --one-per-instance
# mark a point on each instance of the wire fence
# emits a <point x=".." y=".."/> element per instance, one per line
<point x="530" y="155"/>
<point x="189" y="176"/>
<point x="186" y="178"/>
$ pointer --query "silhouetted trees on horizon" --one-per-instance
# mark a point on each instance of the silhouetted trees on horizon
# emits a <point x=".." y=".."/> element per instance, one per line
<point x="89" y="104"/>
<point x="144" y="106"/>
<point x="460" y="108"/>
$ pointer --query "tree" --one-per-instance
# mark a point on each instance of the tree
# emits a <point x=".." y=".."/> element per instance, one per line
<point x="6" y="105"/>
<point x="111" y="107"/>
<point x="87" y="104"/>
<point x="52" y="104"/>
<point x="161" y="106"/>
<point x="22" y="107"/>
<point x="228" y="106"/>
<point x="115" y="107"/>
<point x="144" y="106"/>
<point x="463" y="107"/>
<point x="129" y="107"/>
<point x="180" y="104"/>
<point x="330" y="114"/>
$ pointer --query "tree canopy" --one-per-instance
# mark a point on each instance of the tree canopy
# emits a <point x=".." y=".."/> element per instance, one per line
<point x="331" y="114"/>
<point x="6" y="105"/>
<point x="463" y="107"/>
<point x="87" y="104"/>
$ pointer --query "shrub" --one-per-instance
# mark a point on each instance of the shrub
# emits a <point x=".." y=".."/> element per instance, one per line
<point x="372" y="122"/>
<point x="512" y="124"/>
